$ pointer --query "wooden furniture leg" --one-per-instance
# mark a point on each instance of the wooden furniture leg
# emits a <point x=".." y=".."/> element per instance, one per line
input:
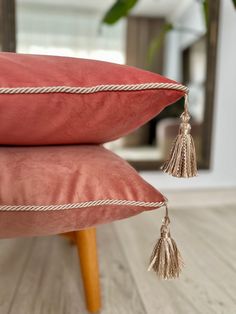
<point x="70" y="235"/>
<point x="87" y="249"/>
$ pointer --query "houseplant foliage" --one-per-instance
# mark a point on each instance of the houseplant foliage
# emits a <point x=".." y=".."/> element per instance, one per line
<point x="121" y="9"/>
<point x="118" y="10"/>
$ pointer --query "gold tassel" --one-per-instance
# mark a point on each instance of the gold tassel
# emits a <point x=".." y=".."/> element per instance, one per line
<point x="166" y="259"/>
<point x="182" y="160"/>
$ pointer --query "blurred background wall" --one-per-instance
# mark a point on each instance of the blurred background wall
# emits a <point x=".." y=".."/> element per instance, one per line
<point x="223" y="163"/>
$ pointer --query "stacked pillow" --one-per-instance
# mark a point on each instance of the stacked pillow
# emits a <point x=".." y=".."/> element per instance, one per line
<point x="55" y="113"/>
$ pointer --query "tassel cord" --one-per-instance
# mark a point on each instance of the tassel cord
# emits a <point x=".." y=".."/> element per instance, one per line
<point x="166" y="259"/>
<point x="182" y="159"/>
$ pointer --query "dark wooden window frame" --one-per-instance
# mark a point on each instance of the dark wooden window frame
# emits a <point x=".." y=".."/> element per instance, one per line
<point x="7" y="26"/>
<point x="211" y="39"/>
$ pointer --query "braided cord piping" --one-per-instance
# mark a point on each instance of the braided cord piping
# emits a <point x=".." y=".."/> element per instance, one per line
<point x="91" y="89"/>
<point x="80" y="205"/>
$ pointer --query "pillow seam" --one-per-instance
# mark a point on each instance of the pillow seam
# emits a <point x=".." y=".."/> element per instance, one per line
<point x="92" y="89"/>
<point x="81" y="205"/>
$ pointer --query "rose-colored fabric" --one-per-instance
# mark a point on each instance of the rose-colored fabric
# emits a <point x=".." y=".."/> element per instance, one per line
<point x="63" y="175"/>
<point x="59" y="118"/>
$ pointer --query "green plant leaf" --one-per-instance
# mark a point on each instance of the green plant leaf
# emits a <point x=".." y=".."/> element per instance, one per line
<point x="234" y="3"/>
<point x="157" y="42"/>
<point x="205" y="7"/>
<point x="118" y="10"/>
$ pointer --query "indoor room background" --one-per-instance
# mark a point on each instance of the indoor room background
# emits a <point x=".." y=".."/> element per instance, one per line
<point x="178" y="40"/>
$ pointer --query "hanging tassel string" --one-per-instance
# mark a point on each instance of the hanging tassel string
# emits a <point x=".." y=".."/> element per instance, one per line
<point x="166" y="259"/>
<point x="182" y="159"/>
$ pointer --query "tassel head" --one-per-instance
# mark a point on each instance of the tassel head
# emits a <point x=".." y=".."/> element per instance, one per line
<point x="166" y="259"/>
<point x="182" y="162"/>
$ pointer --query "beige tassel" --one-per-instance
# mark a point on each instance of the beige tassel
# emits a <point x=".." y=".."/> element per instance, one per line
<point x="182" y="160"/>
<point x="166" y="259"/>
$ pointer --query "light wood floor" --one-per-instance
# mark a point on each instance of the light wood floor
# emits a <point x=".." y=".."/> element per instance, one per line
<point x="41" y="275"/>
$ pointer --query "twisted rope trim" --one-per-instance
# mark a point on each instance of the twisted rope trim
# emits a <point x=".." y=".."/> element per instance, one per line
<point x="79" y="205"/>
<point x="91" y="89"/>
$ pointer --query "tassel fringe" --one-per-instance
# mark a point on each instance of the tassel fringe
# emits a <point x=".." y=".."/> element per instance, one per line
<point x="182" y="161"/>
<point x="166" y="259"/>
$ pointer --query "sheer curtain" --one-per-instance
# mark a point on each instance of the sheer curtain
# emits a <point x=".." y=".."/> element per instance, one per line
<point x="68" y="30"/>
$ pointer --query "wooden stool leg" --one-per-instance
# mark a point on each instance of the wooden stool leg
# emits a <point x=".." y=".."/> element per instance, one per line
<point x="70" y="235"/>
<point x="87" y="249"/>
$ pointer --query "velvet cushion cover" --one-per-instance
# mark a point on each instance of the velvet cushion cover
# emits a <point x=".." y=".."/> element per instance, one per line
<point x="39" y="117"/>
<point x="67" y="177"/>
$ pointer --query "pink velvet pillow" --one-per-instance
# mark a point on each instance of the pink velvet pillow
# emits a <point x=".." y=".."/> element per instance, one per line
<point x="57" y="100"/>
<point x="55" y="189"/>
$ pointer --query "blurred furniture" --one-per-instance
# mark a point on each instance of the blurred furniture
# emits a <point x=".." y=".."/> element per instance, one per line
<point x="85" y="241"/>
<point x="166" y="131"/>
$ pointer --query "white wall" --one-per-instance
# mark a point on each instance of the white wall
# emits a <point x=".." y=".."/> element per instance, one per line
<point x="223" y="169"/>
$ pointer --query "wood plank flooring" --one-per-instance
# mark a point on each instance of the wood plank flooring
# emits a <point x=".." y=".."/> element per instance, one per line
<point x="41" y="275"/>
